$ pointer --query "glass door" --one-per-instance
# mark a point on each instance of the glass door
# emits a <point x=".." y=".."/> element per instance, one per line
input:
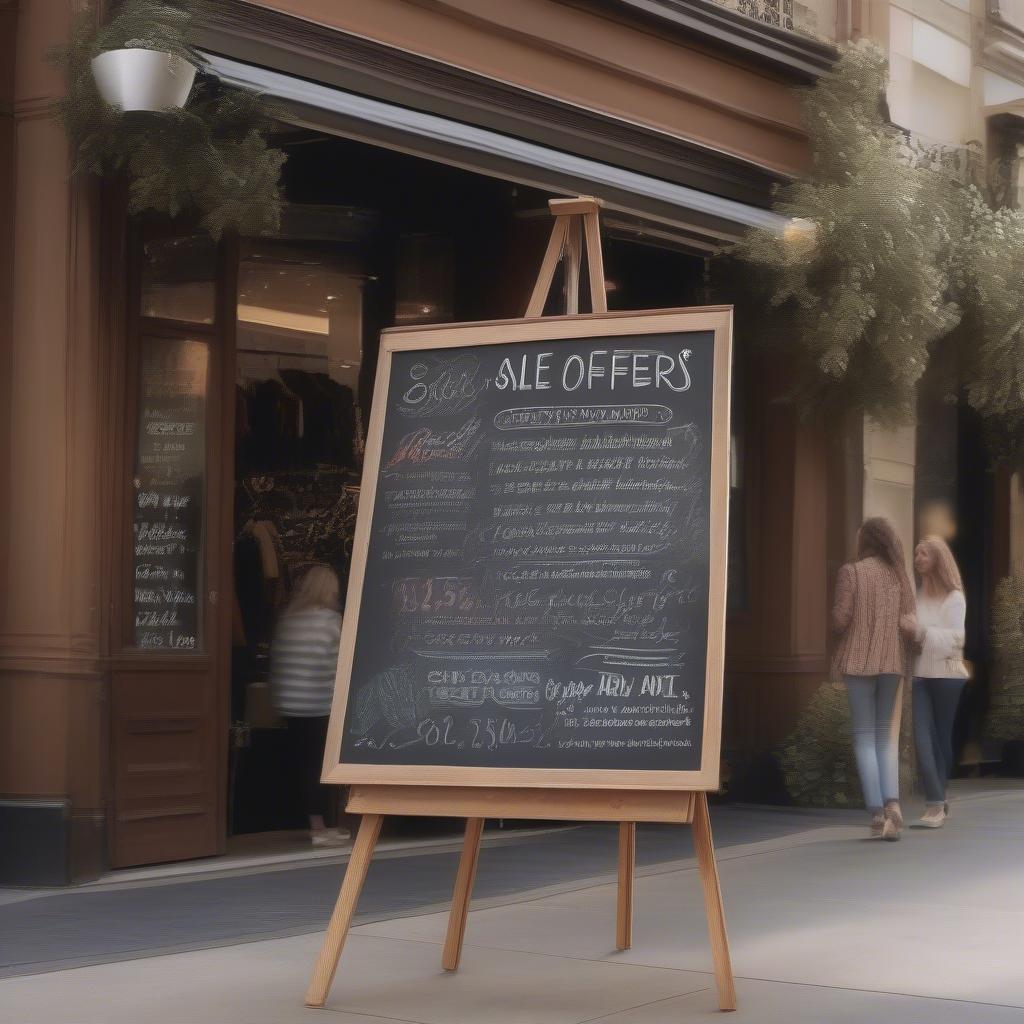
<point x="168" y="705"/>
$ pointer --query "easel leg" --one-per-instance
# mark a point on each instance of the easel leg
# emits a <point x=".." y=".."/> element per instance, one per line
<point x="573" y="254"/>
<point x="559" y="230"/>
<point x="344" y="909"/>
<point x="452" y="952"/>
<point x="713" y="903"/>
<point x="627" y="869"/>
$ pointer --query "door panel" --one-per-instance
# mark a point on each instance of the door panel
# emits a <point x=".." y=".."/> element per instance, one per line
<point x="165" y="745"/>
<point x="168" y="720"/>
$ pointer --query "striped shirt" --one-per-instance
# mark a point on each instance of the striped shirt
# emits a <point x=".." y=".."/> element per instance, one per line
<point x="303" y="662"/>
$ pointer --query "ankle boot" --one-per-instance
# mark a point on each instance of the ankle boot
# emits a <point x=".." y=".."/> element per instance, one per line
<point x="877" y="823"/>
<point x="893" y="821"/>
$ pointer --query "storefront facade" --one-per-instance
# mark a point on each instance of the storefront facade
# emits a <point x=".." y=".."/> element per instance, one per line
<point x="423" y="140"/>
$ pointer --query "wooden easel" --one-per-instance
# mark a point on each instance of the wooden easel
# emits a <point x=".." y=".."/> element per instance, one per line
<point x="576" y="224"/>
<point x="573" y="218"/>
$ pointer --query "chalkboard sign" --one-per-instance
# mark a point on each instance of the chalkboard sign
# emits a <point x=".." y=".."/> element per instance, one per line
<point x="167" y="522"/>
<point x="538" y="589"/>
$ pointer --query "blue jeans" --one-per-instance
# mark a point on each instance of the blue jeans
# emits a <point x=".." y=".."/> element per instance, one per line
<point x="872" y="705"/>
<point x="935" y="704"/>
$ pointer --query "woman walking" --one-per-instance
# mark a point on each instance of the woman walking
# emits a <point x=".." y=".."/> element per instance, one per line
<point x="303" y="663"/>
<point x="873" y="594"/>
<point x="939" y="670"/>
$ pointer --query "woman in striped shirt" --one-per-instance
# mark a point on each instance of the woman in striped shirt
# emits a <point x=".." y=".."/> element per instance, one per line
<point x="303" y="663"/>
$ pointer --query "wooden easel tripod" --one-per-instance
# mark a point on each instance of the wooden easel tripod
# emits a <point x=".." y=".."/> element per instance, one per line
<point x="576" y="225"/>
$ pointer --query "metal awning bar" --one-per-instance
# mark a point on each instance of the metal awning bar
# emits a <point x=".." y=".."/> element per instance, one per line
<point x="710" y="220"/>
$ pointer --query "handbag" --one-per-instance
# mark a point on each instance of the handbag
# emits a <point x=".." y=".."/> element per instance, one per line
<point x="957" y="667"/>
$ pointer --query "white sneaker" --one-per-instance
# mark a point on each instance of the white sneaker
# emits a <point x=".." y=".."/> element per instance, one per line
<point x="328" y="837"/>
<point x="934" y="816"/>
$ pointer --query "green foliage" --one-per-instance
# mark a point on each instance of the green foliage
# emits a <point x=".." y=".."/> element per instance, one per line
<point x="817" y="757"/>
<point x="992" y="255"/>
<point x="859" y="295"/>
<point x="1006" y="709"/>
<point x="899" y="246"/>
<point x="210" y="158"/>
<point x="140" y="24"/>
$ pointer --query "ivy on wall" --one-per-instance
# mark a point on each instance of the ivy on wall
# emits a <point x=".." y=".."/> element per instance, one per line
<point x="891" y="246"/>
<point x="856" y="286"/>
<point x="1006" y="707"/>
<point x="210" y="158"/>
<point x="992" y="254"/>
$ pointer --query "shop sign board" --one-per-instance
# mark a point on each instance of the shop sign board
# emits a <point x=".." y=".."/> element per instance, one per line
<point x="537" y="594"/>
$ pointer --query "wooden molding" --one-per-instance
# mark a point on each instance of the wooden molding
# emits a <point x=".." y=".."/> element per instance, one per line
<point x="251" y="32"/>
<point x="776" y="665"/>
<point x="801" y="57"/>
<point x="1002" y="45"/>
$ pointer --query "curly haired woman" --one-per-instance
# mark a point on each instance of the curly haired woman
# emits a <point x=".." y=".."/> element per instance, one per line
<point x="873" y="594"/>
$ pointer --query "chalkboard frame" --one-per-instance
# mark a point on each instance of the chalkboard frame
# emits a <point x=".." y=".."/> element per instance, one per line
<point x="714" y="319"/>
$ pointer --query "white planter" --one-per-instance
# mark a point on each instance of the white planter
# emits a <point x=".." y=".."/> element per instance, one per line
<point x="143" y="79"/>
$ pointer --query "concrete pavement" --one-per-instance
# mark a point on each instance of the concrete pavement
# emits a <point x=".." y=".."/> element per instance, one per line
<point x="226" y="900"/>
<point x="824" y="926"/>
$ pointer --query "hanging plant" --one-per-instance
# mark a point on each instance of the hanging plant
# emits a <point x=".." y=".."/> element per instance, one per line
<point x="856" y="288"/>
<point x="209" y="157"/>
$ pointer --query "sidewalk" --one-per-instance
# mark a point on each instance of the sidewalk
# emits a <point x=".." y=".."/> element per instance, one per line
<point x="223" y="901"/>
<point x="825" y="927"/>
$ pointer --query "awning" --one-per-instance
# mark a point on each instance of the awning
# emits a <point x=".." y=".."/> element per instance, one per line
<point x="699" y="220"/>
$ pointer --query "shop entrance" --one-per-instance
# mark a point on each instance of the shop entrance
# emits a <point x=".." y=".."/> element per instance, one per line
<point x="369" y="239"/>
<point x="373" y="239"/>
<point x="297" y="456"/>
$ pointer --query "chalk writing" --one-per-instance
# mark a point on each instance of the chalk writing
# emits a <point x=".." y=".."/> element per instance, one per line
<point x="170" y="465"/>
<point x="535" y="592"/>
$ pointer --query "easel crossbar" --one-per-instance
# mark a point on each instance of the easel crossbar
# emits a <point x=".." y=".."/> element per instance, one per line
<point x="541" y="804"/>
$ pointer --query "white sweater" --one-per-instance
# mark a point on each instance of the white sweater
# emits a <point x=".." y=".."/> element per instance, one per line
<point x="940" y="622"/>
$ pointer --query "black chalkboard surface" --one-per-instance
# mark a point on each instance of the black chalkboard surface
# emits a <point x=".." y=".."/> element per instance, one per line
<point x="541" y="570"/>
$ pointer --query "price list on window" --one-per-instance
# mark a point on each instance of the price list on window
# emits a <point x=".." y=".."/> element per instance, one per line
<point x="167" y="493"/>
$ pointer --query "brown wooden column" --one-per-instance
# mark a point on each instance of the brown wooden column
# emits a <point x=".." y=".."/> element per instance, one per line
<point x="51" y="691"/>
<point x="776" y="649"/>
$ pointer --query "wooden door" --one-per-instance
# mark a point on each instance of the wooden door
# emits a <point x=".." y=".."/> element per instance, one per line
<point x="171" y="600"/>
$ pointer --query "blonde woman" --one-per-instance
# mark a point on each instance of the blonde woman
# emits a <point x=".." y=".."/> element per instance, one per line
<point x="873" y="594"/>
<point x="303" y="663"/>
<point x="939" y="670"/>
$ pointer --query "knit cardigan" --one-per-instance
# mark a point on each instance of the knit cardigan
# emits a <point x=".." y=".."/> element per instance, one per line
<point x="869" y="603"/>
